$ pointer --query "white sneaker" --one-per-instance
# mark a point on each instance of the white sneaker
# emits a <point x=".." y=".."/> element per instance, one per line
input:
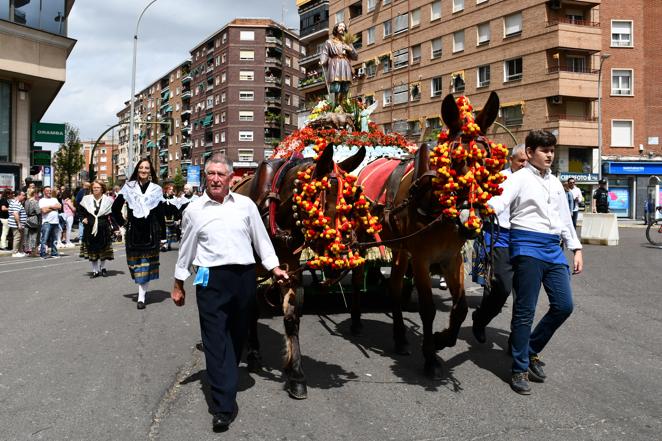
<point x="18" y="255"/>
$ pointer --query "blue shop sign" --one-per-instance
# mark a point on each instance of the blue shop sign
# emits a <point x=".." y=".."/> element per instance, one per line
<point x="633" y="168"/>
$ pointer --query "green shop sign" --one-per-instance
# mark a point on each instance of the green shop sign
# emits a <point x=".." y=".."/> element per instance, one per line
<point x="45" y="132"/>
<point x="41" y="157"/>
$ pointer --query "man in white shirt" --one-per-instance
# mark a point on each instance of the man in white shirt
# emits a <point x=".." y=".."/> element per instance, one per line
<point x="539" y="220"/>
<point x="50" y="223"/>
<point x="219" y="232"/>
<point x="502" y="283"/>
<point x="577" y="199"/>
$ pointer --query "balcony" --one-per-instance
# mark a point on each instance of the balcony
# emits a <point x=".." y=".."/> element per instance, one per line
<point x="187" y="78"/>
<point x="573" y="36"/>
<point x="575" y="130"/>
<point x="272" y="101"/>
<point x="186" y="95"/>
<point x="273" y="40"/>
<point x="310" y="59"/>
<point x="272" y="80"/>
<point x="582" y="84"/>
<point x="273" y="60"/>
<point x="310" y="82"/>
<point x="318" y="29"/>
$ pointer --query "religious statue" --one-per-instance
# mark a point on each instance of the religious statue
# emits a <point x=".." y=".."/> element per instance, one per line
<point x="334" y="59"/>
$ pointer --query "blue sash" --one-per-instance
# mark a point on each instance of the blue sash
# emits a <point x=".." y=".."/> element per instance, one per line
<point x="502" y="235"/>
<point x="542" y="246"/>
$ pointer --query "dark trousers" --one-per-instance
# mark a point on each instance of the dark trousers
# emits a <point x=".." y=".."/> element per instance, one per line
<point x="502" y="284"/>
<point x="528" y="275"/>
<point x="575" y="215"/>
<point x="224" y="306"/>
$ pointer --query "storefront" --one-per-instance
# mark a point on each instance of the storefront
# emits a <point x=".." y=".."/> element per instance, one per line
<point x="628" y="183"/>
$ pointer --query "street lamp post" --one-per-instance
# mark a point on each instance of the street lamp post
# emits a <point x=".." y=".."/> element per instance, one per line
<point x="603" y="57"/>
<point x="133" y="91"/>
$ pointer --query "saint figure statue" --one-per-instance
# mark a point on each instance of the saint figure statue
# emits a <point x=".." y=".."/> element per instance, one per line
<point x="335" y="60"/>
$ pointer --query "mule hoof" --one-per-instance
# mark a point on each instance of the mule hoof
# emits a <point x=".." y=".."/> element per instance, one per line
<point x="434" y="369"/>
<point x="254" y="362"/>
<point x="297" y="389"/>
<point x="402" y="348"/>
<point x="443" y="340"/>
<point x="356" y="328"/>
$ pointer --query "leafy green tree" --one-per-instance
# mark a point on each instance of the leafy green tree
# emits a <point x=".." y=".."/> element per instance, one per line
<point x="178" y="180"/>
<point x="68" y="160"/>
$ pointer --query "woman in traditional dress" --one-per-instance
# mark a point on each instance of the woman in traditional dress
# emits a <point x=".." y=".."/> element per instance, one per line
<point x="172" y="216"/>
<point x="97" y="244"/>
<point x="145" y="225"/>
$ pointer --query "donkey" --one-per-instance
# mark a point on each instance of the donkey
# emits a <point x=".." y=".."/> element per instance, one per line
<point x="428" y="240"/>
<point x="273" y="188"/>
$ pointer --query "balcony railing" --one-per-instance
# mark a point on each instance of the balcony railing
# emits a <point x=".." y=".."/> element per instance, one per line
<point x="568" y="117"/>
<point x="274" y="40"/>
<point x="574" y="69"/>
<point x="322" y="25"/>
<point x="273" y="60"/>
<point x="272" y="100"/>
<point x="310" y="81"/>
<point x="572" y="21"/>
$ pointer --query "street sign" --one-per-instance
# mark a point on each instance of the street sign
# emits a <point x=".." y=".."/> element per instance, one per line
<point x="41" y="157"/>
<point x="45" y="132"/>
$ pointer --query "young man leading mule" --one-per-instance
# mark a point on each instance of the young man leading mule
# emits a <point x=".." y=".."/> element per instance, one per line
<point x="539" y="220"/>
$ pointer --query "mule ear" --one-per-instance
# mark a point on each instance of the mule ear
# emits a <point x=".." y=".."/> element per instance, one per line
<point x="489" y="114"/>
<point x="353" y="161"/>
<point x="451" y="116"/>
<point x="422" y="160"/>
<point x="324" y="164"/>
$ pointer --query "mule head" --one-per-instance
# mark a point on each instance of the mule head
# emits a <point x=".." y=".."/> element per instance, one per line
<point x="450" y="114"/>
<point x="489" y="113"/>
<point x="324" y="165"/>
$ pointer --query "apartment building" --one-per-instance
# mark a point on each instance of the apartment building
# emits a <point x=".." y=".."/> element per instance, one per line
<point x="313" y="33"/>
<point x="34" y="48"/>
<point x="103" y="158"/>
<point x="631" y="101"/>
<point x="245" y="94"/>
<point x="166" y="100"/>
<point x="541" y="57"/>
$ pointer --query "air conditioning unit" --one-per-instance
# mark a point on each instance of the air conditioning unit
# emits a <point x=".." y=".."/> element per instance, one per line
<point x="360" y="72"/>
<point x="555" y="4"/>
<point x="557" y="99"/>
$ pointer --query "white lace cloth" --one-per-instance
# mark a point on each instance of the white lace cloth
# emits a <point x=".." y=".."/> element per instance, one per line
<point x="104" y="210"/>
<point x="142" y="203"/>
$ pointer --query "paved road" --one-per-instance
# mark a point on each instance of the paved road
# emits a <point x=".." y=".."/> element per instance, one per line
<point x="78" y="361"/>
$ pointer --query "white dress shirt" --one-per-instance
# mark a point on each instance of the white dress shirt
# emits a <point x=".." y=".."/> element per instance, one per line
<point x="504" y="216"/>
<point x="216" y="234"/>
<point x="577" y="196"/>
<point x="537" y="203"/>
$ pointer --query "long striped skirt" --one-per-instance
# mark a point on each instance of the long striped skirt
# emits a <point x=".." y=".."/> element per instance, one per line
<point x="143" y="265"/>
<point x="105" y="253"/>
<point x="171" y="231"/>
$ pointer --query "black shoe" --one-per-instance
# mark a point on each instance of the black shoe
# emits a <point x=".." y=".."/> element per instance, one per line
<point x="140" y="305"/>
<point x="104" y="273"/>
<point x="519" y="382"/>
<point x="221" y="421"/>
<point x="94" y="275"/>
<point x="535" y="370"/>
<point x="477" y="329"/>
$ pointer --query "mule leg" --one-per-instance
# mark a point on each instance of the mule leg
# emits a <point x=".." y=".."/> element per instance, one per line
<point x="427" y="312"/>
<point x="455" y="281"/>
<point x="357" y="285"/>
<point x="398" y="269"/>
<point x="295" y="381"/>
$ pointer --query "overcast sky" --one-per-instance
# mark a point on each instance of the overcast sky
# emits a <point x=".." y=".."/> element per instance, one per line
<point x="99" y="67"/>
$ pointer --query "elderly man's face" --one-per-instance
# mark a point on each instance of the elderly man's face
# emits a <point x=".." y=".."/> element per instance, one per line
<point x="218" y="181"/>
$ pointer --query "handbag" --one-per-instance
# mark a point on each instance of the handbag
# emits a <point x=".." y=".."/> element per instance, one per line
<point x="32" y="222"/>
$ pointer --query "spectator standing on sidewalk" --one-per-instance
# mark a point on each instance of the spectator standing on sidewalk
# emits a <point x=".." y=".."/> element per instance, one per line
<point x="69" y="211"/>
<point x="577" y="197"/>
<point x="4" y="218"/>
<point x="50" y="223"/>
<point x="16" y="222"/>
<point x="33" y="223"/>
<point x="600" y="200"/>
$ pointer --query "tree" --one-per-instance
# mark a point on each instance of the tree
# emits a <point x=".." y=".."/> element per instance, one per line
<point x="68" y="160"/>
<point x="178" y="181"/>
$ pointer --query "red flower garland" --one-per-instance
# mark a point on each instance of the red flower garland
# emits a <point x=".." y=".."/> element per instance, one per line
<point x="482" y="177"/>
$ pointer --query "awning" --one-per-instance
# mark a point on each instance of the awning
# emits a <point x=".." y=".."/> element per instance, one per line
<point x="206" y="155"/>
<point x="164" y="171"/>
<point x="168" y="109"/>
<point x="165" y="95"/>
<point x="151" y="144"/>
<point x="207" y="121"/>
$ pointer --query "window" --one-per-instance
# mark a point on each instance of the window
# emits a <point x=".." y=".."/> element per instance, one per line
<point x="288" y="61"/>
<point x="247" y="35"/>
<point x="458" y="5"/>
<point x="218" y="60"/>
<point x="512" y="115"/>
<point x="287" y="119"/>
<point x="415" y="17"/>
<point x="621" y="133"/>
<point x="400" y="58"/>
<point x="288" y="80"/>
<point x="483" y="74"/>
<point x="371" y="5"/>
<point x="370" y="69"/>
<point x="340" y="16"/>
<point x="400" y="94"/>
<point x="223" y="57"/>
<point x="223" y="116"/>
<point x="512" y="70"/>
<point x="224" y="37"/>
<point x="400" y="23"/>
<point x="388" y="97"/>
<point x="435" y="86"/>
<point x="457" y="82"/>
<point x="386" y="63"/>
<point x="245" y="155"/>
<point x="387" y="28"/>
<point x="246" y="95"/>
<point x="576" y="63"/>
<point x="436" y="48"/>
<point x="483" y="34"/>
<point x="246" y="115"/>
<point x="246" y="55"/>
<point x="386" y="2"/>
<point x="458" y="41"/>
<point x="217" y="138"/>
<point x="223" y="136"/>
<point x="246" y="75"/>
<point x="218" y="80"/>
<point x="621" y="82"/>
<point x="210" y="102"/>
<point x="435" y="10"/>
<point x="416" y="54"/>
<point x="621" y="33"/>
<point x="512" y="24"/>
<point x="370" y="36"/>
<point x="245" y="135"/>
<point x="216" y="118"/>
<point x="268" y="153"/>
<point x="288" y="42"/>
<point x="217" y="100"/>
<point x="415" y="92"/>
<point x="224" y="77"/>
<point x="223" y="97"/>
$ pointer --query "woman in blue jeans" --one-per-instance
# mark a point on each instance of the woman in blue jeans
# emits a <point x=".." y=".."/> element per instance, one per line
<point x="539" y="219"/>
